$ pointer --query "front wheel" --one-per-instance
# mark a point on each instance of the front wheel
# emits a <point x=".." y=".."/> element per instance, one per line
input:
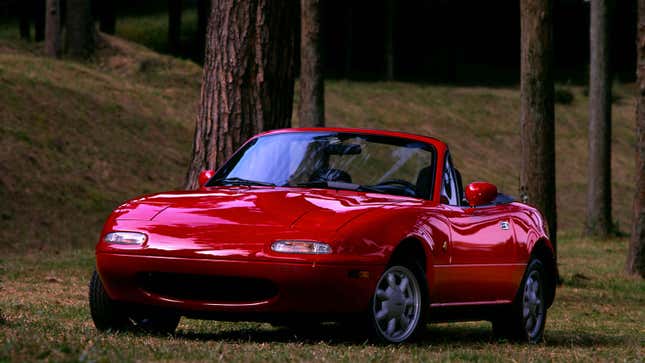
<point x="527" y="316"/>
<point x="397" y="307"/>
<point x="110" y="315"/>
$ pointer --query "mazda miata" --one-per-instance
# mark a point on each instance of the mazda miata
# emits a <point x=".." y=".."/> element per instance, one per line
<point x="302" y="226"/>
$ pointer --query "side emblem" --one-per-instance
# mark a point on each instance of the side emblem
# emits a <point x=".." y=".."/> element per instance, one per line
<point x="504" y="225"/>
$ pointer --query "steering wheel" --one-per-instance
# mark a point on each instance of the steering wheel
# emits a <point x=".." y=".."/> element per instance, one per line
<point x="402" y="182"/>
<point x="408" y="187"/>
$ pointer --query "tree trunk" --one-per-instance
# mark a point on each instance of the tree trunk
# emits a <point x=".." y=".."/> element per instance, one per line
<point x="389" y="40"/>
<point x="537" y="169"/>
<point x="107" y="16"/>
<point x="636" y="254"/>
<point x="203" y="13"/>
<point x="349" y="38"/>
<point x="24" y="16"/>
<point x="39" y="20"/>
<point x="80" y="31"/>
<point x="248" y="80"/>
<point x="174" y="25"/>
<point x="599" y="221"/>
<point x="52" y="29"/>
<point x="311" y="110"/>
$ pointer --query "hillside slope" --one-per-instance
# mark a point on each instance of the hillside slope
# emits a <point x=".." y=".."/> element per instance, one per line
<point x="76" y="139"/>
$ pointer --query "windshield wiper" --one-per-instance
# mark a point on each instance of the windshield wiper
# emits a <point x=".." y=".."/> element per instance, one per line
<point x="336" y="185"/>
<point x="241" y="181"/>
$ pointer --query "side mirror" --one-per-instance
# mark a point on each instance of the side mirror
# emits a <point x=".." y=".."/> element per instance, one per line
<point x="480" y="193"/>
<point x="205" y="176"/>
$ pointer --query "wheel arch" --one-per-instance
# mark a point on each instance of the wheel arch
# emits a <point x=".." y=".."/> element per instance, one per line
<point x="543" y="251"/>
<point x="410" y="248"/>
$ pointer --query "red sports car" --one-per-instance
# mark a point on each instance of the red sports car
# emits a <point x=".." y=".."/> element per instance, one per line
<point x="329" y="224"/>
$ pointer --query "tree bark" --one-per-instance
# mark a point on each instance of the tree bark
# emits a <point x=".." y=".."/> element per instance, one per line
<point x="80" y="31"/>
<point x="599" y="222"/>
<point x="636" y="254"/>
<point x="52" y="29"/>
<point x="248" y="80"/>
<point x="174" y="25"/>
<point x="107" y="16"/>
<point x="537" y="144"/>
<point x="311" y="110"/>
<point x="203" y="13"/>
<point x="389" y="40"/>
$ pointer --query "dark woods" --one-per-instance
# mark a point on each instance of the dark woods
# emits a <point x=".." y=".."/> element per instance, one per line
<point x="431" y="40"/>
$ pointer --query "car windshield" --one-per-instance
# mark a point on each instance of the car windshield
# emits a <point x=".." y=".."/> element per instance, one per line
<point x="334" y="160"/>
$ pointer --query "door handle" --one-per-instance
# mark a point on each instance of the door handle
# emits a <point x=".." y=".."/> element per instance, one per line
<point x="444" y="246"/>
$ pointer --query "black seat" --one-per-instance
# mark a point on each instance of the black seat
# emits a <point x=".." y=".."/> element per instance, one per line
<point x="460" y="188"/>
<point x="423" y="183"/>
<point x="331" y="175"/>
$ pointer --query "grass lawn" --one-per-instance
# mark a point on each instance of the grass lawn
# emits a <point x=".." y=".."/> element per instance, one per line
<point x="598" y="315"/>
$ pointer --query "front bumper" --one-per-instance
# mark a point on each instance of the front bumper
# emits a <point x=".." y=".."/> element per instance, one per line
<point x="301" y="287"/>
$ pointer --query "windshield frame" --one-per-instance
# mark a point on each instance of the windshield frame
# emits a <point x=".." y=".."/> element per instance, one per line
<point x="227" y="167"/>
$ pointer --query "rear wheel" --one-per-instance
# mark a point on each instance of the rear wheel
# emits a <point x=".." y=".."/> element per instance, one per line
<point x="110" y="315"/>
<point x="527" y="317"/>
<point x="398" y="305"/>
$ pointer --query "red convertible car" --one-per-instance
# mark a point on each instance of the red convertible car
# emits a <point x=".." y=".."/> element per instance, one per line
<point x="328" y="224"/>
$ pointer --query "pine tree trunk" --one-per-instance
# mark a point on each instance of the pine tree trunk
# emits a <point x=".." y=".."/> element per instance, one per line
<point x="107" y="16"/>
<point x="349" y="38"/>
<point x="80" y="31"/>
<point x="599" y="221"/>
<point x="24" y="18"/>
<point x="311" y="110"/>
<point x="537" y="169"/>
<point x="174" y="25"/>
<point x="248" y="80"/>
<point x="52" y="29"/>
<point x="203" y="13"/>
<point x="636" y="254"/>
<point x="389" y="40"/>
<point x="39" y="20"/>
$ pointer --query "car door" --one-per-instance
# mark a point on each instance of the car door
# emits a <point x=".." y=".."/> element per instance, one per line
<point x="481" y="248"/>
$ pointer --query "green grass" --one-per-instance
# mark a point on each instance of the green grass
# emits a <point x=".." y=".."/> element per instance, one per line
<point x="598" y="315"/>
<point x="151" y="30"/>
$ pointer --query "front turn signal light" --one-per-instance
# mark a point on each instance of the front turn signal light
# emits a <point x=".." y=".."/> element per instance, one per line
<point x="125" y="238"/>
<point x="302" y="247"/>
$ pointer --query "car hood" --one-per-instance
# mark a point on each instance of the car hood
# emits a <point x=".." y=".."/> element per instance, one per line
<point x="258" y="207"/>
<point x="242" y="222"/>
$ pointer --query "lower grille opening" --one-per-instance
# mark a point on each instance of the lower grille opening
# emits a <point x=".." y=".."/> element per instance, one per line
<point x="207" y="288"/>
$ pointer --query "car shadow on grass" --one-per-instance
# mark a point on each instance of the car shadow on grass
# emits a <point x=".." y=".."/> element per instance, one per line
<point x="436" y="335"/>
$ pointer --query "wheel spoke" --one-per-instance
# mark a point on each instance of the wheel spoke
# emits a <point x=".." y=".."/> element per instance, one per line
<point x="409" y="301"/>
<point x="529" y="324"/>
<point x="405" y="322"/>
<point x="391" y="325"/>
<point x="391" y="280"/>
<point x="404" y="284"/>
<point x="526" y="311"/>
<point x="382" y="313"/>
<point x="382" y="294"/>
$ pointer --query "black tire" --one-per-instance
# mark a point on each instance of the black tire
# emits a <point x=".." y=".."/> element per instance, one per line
<point x="525" y="320"/>
<point x="392" y="307"/>
<point x="110" y="315"/>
